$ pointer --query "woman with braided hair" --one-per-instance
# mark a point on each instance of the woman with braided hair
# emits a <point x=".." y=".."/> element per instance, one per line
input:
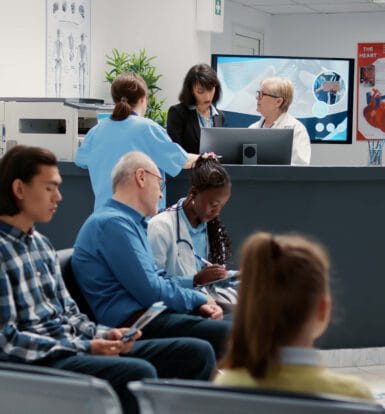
<point x="188" y="239"/>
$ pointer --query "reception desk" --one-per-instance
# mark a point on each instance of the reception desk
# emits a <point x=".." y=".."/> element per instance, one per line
<point x="339" y="206"/>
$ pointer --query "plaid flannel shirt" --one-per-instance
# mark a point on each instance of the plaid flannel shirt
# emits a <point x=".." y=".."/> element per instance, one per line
<point x="38" y="317"/>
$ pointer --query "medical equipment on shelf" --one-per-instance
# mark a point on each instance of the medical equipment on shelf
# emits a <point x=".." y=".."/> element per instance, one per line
<point x="58" y="124"/>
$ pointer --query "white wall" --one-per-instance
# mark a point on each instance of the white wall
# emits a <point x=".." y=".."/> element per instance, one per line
<point x="22" y="48"/>
<point x="329" y="36"/>
<point x="166" y="29"/>
<point x="245" y="17"/>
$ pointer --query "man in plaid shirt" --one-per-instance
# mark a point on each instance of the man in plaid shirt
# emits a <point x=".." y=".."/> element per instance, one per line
<point x="39" y="322"/>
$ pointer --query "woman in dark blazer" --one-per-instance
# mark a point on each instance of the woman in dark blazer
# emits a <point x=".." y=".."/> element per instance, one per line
<point x="200" y="93"/>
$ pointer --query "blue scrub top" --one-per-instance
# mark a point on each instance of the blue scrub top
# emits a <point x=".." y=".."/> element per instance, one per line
<point x="109" y="140"/>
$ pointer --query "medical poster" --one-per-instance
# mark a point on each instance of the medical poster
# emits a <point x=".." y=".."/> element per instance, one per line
<point x="371" y="91"/>
<point x="68" y="48"/>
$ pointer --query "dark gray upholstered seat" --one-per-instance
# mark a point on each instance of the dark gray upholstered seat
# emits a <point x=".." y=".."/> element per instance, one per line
<point x="70" y="282"/>
<point x="36" y="390"/>
<point x="187" y="397"/>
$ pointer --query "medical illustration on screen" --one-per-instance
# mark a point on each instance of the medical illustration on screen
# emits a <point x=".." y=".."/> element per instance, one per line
<point x="323" y="91"/>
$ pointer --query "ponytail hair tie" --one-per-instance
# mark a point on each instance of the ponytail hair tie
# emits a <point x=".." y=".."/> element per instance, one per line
<point x="123" y="99"/>
<point x="276" y="250"/>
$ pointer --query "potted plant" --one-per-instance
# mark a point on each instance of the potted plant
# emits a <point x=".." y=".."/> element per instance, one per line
<point x="122" y="62"/>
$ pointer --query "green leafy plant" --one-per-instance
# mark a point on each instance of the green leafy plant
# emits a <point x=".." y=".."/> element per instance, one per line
<point x="123" y="62"/>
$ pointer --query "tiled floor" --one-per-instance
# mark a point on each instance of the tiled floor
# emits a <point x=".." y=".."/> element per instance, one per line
<point x="367" y="364"/>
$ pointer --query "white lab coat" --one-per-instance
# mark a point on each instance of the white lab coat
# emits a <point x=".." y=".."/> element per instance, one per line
<point x="301" y="151"/>
<point x="178" y="259"/>
<point x="175" y="258"/>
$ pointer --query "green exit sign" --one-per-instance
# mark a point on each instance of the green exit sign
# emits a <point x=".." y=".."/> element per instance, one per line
<point x="218" y="7"/>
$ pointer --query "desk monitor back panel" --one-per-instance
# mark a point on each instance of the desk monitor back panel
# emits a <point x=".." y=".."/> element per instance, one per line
<point x="273" y="146"/>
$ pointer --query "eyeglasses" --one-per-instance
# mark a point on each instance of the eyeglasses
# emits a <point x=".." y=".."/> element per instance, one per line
<point x="162" y="183"/>
<point x="261" y="94"/>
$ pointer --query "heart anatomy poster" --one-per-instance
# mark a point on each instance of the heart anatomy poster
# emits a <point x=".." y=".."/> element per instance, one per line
<point x="371" y="91"/>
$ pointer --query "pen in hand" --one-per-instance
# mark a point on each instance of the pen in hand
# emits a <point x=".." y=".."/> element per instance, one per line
<point x="206" y="262"/>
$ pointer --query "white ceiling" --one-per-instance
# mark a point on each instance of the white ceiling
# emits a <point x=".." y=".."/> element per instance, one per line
<point x="314" y="6"/>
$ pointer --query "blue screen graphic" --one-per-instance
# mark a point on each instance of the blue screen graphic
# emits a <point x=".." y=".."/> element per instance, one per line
<point x="323" y="91"/>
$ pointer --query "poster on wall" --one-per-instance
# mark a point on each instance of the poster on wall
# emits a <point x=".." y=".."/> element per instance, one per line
<point x="371" y="91"/>
<point x="68" y="48"/>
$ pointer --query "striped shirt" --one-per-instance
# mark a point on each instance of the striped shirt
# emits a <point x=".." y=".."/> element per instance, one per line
<point x="38" y="318"/>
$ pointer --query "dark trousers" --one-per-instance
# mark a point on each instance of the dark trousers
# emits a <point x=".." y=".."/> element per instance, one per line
<point x="186" y="358"/>
<point x="171" y="325"/>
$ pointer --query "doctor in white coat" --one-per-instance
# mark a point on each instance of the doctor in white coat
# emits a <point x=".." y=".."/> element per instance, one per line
<point x="189" y="239"/>
<point x="273" y="101"/>
<point x="172" y="244"/>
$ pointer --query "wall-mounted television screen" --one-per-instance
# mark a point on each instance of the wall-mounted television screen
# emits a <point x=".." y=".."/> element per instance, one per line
<point x="323" y="92"/>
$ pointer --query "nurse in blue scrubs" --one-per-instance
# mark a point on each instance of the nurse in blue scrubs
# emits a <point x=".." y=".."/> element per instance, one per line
<point x="127" y="130"/>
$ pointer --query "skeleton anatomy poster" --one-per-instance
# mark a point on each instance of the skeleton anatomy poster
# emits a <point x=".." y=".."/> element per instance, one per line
<point x="68" y="48"/>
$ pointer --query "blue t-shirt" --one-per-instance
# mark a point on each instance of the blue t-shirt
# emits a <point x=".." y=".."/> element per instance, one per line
<point x="108" y="141"/>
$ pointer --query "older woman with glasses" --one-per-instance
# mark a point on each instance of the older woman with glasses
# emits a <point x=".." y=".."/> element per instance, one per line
<point x="273" y="101"/>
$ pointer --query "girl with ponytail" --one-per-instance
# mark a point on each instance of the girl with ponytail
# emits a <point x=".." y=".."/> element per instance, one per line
<point x="128" y="130"/>
<point x="284" y="306"/>
<point x="188" y="239"/>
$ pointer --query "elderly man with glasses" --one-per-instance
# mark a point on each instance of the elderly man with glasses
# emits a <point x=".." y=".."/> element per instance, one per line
<point x="116" y="271"/>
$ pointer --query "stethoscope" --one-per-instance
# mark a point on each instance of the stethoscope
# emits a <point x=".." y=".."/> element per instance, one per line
<point x="179" y="239"/>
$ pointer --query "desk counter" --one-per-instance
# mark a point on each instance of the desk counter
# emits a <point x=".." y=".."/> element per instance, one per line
<point x="340" y="206"/>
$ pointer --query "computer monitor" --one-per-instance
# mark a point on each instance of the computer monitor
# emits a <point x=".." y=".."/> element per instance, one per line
<point x="266" y="146"/>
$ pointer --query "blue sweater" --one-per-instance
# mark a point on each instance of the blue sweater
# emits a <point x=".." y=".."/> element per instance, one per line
<point x="116" y="271"/>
